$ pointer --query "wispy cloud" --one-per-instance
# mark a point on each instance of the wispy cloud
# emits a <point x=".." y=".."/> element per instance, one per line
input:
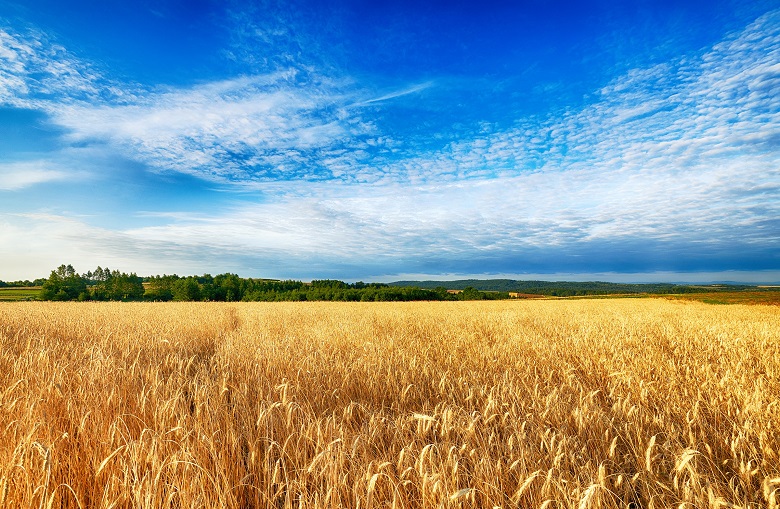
<point x="664" y="165"/>
<point x="244" y="129"/>
<point x="678" y="114"/>
<point x="398" y="93"/>
<point x="677" y="161"/>
<point x="20" y="175"/>
<point x="47" y="240"/>
<point x="36" y="71"/>
<point x="288" y="124"/>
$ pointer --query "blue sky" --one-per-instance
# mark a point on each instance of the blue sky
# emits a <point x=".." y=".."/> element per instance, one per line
<point x="624" y="141"/>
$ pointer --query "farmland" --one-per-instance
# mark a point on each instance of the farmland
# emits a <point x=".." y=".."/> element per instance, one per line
<point x="765" y="296"/>
<point x="14" y="293"/>
<point x="533" y="403"/>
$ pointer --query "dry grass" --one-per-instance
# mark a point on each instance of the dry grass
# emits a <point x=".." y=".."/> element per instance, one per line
<point x="620" y="403"/>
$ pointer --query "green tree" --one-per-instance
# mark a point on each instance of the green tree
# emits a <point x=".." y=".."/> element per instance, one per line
<point x="471" y="293"/>
<point x="186" y="289"/>
<point x="228" y="287"/>
<point x="117" y="285"/>
<point x="160" y="288"/>
<point x="64" y="283"/>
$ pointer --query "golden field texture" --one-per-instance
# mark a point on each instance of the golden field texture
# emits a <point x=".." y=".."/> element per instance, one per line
<point x="591" y="403"/>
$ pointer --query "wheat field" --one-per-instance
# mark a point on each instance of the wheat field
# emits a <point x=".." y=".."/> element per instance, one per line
<point x="635" y="403"/>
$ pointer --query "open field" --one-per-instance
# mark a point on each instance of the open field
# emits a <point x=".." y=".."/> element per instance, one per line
<point x="536" y="403"/>
<point x="20" y="293"/>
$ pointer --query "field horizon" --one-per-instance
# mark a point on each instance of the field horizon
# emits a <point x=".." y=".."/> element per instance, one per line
<point x="115" y="286"/>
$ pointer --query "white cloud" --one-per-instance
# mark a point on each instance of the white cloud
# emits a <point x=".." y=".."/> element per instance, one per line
<point x="12" y="72"/>
<point x="286" y="124"/>
<point x="661" y="157"/>
<point x="674" y="158"/>
<point x="20" y="175"/>
<point x="398" y="93"/>
<point x="32" y="241"/>
<point x="244" y="129"/>
<point x="35" y="72"/>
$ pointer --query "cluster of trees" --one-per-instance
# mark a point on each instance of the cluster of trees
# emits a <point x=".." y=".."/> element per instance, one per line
<point x="65" y="283"/>
<point x="230" y="287"/>
<point x="22" y="283"/>
<point x="570" y="288"/>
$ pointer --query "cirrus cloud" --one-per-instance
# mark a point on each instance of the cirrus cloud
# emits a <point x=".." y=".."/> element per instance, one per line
<point x="674" y="166"/>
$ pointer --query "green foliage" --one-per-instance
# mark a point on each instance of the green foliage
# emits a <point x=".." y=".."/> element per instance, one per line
<point x="115" y="285"/>
<point x="102" y="284"/>
<point x="470" y="293"/>
<point x="22" y="283"/>
<point x="105" y="284"/>
<point x="160" y="288"/>
<point x="567" y="288"/>
<point x="329" y="283"/>
<point x="227" y="287"/>
<point x="186" y="289"/>
<point x="64" y="284"/>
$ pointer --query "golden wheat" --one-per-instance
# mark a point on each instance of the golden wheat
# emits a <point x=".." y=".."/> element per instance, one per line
<point x="577" y="404"/>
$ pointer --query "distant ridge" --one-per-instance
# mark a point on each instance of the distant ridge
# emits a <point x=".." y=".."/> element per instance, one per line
<point x="567" y="288"/>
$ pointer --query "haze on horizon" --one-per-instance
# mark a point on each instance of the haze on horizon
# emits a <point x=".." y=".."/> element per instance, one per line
<point x="371" y="141"/>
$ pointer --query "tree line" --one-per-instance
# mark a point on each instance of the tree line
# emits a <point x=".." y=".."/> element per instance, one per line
<point x="573" y="288"/>
<point x="65" y="283"/>
<point x="22" y="283"/>
<point x="103" y="284"/>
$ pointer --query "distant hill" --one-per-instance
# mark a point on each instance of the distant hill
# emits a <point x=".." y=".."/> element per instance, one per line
<point x="569" y="288"/>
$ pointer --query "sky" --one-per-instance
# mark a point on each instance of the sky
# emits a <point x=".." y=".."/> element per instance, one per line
<point x="356" y="140"/>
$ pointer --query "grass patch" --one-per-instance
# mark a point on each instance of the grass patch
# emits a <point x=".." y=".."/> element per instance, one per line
<point x="20" y="293"/>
